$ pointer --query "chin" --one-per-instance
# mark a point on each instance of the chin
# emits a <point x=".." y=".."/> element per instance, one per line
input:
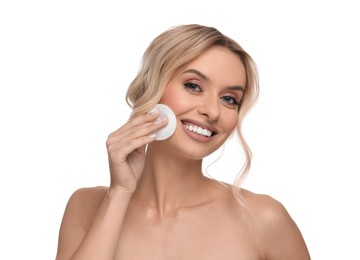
<point x="197" y="153"/>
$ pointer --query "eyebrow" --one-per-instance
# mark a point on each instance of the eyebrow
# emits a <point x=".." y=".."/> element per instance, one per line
<point x="204" y="77"/>
<point x="201" y="75"/>
<point x="240" y="88"/>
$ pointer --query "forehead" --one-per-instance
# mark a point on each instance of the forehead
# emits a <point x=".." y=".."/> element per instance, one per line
<point x="220" y="65"/>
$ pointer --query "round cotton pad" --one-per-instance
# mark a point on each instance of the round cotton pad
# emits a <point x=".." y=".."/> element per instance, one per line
<point x="169" y="129"/>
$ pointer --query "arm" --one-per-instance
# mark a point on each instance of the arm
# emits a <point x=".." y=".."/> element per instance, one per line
<point x="93" y="219"/>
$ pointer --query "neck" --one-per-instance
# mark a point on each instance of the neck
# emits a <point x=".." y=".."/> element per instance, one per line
<point x="169" y="183"/>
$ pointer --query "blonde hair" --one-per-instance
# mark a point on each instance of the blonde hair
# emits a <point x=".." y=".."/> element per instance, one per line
<point x="168" y="53"/>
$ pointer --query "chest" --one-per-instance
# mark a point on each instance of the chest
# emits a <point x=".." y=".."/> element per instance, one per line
<point x="186" y="237"/>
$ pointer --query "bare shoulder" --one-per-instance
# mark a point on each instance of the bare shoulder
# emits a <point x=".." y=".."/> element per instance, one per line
<point x="86" y="198"/>
<point x="84" y="202"/>
<point x="265" y="208"/>
<point x="79" y="213"/>
<point x="275" y="230"/>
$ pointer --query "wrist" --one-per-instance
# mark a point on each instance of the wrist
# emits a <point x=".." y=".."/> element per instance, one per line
<point x="120" y="192"/>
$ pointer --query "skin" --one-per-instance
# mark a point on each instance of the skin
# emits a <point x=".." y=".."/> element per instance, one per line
<point x="160" y="206"/>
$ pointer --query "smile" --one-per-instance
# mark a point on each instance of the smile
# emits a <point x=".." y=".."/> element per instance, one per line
<point x="198" y="130"/>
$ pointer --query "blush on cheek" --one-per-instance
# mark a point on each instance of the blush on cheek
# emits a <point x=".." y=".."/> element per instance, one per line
<point x="177" y="104"/>
<point x="174" y="99"/>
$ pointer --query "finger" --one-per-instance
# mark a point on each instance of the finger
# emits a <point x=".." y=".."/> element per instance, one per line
<point x="139" y="120"/>
<point x="141" y="136"/>
<point x="121" y="150"/>
<point x="137" y="131"/>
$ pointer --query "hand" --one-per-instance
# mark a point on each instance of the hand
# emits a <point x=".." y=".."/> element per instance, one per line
<point x="126" y="149"/>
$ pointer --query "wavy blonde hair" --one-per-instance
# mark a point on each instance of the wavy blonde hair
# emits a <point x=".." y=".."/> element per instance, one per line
<point x="168" y="53"/>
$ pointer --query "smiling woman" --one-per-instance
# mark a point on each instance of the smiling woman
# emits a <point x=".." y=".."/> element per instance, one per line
<point x="204" y="97"/>
<point x="159" y="205"/>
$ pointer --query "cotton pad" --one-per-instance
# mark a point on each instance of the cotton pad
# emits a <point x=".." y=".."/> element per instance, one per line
<point x="169" y="129"/>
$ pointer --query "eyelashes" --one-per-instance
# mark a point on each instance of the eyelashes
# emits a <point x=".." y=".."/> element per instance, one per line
<point x="228" y="100"/>
<point x="192" y="86"/>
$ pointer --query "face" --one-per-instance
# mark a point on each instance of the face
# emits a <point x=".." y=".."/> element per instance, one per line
<point x="205" y="97"/>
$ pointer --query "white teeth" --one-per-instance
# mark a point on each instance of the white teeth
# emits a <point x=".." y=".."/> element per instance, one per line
<point x="198" y="130"/>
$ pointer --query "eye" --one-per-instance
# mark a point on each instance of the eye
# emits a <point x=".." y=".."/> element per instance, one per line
<point x="192" y="86"/>
<point x="230" y="101"/>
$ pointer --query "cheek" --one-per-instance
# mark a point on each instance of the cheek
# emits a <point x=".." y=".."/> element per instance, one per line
<point x="174" y="99"/>
<point x="232" y="122"/>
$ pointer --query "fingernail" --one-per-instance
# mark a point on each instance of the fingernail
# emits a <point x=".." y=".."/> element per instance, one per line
<point x="152" y="135"/>
<point x="160" y="120"/>
<point x="154" y="111"/>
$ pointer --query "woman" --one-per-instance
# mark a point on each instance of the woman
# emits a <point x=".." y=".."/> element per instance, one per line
<point x="159" y="205"/>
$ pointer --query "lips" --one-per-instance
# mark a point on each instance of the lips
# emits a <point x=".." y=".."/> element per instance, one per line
<point x="199" y="129"/>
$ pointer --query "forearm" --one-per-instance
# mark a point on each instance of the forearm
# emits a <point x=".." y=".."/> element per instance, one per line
<point x="102" y="238"/>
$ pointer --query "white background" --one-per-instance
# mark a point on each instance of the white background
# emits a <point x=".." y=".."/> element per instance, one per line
<point x="64" y="70"/>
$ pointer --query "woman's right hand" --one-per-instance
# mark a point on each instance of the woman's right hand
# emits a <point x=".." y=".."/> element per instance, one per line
<point x="126" y="149"/>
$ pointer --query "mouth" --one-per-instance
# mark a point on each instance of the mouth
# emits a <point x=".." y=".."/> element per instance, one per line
<point x="200" y="130"/>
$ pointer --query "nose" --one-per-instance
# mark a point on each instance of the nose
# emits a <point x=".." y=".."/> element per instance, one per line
<point x="210" y="108"/>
